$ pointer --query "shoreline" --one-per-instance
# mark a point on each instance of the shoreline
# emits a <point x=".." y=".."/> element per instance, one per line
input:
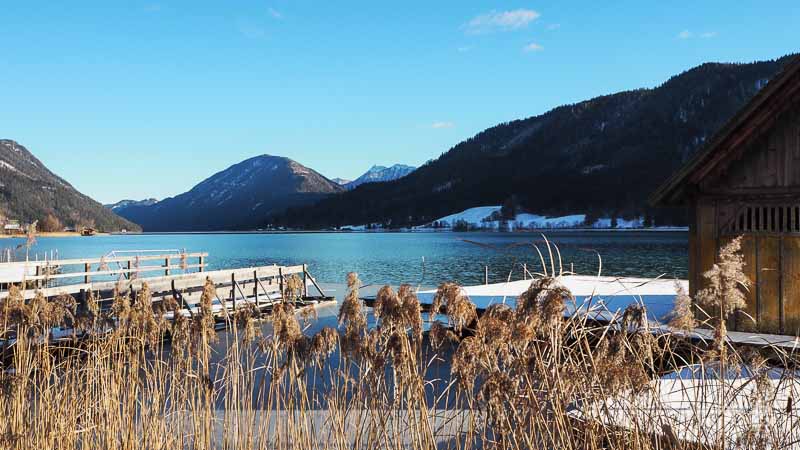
<point x="536" y="231"/>
<point x="54" y="234"/>
<point x="65" y="234"/>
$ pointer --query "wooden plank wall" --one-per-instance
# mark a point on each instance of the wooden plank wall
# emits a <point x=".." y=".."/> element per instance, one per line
<point x="791" y="285"/>
<point x="772" y="264"/>
<point x="768" y="284"/>
<point x="771" y="162"/>
<point x="706" y="245"/>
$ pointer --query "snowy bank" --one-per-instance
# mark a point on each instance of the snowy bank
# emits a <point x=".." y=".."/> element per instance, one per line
<point x="490" y="218"/>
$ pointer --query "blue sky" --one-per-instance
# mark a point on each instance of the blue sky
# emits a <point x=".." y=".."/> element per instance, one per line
<point x="131" y="99"/>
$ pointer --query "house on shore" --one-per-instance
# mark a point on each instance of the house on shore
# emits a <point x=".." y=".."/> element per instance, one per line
<point x="12" y="227"/>
<point x="746" y="182"/>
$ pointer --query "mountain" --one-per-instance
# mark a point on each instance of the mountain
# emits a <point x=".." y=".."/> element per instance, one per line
<point x="240" y="197"/>
<point x="128" y="203"/>
<point x="30" y="191"/>
<point x="600" y="157"/>
<point x="341" y="181"/>
<point x="380" y="173"/>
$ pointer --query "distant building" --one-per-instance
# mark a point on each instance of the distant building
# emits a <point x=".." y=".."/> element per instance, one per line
<point x="746" y="182"/>
<point x="12" y="227"/>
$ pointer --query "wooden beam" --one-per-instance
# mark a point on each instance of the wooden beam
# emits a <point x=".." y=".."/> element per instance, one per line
<point x="86" y="275"/>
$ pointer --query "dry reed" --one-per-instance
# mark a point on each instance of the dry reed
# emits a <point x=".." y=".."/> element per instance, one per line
<point x="512" y="378"/>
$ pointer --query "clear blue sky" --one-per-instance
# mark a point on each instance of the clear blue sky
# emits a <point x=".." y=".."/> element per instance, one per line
<point x="131" y="99"/>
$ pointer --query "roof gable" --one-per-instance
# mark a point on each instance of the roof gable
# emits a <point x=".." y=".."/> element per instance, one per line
<point x="728" y="143"/>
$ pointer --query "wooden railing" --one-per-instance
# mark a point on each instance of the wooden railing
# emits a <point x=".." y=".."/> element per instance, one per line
<point x="230" y="284"/>
<point x="128" y="267"/>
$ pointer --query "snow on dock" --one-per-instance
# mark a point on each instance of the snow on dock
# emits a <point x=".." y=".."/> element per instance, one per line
<point x="605" y="298"/>
<point x="602" y="297"/>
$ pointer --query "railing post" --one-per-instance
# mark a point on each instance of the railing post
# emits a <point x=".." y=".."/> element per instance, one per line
<point x="280" y="281"/>
<point x="166" y="265"/>
<point x="233" y="290"/>
<point x="305" y="282"/>
<point x="200" y="262"/>
<point x="87" y="268"/>
<point x="255" y="287"/>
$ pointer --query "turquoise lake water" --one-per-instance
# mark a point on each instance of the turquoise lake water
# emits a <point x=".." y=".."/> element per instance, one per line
<point x="398" y="257"/>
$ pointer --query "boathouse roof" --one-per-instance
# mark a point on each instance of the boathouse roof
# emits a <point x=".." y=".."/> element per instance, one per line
<point x="727" y="145"/>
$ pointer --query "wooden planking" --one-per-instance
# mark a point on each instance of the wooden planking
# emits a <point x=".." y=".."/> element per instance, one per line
<point x="769" y="284"/>
<point x="771" y="161"/>
<point x="746" y="320"/>
<point x="693" y="253"/>
<point x="791" y="285"/>
<point x="706" y="245"/>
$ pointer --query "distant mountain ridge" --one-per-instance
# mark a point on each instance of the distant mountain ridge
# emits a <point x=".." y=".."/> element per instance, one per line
<point x="380" y="174"/>
<point x="239" y="197"/>
<point x="341" y="181"/>
<point x="29" y="191"/>
<point x="127" y="203"/>
<point x="601" y="157"/>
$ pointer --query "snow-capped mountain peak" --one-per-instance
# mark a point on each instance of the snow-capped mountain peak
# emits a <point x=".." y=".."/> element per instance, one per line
<point x="380" y="174"/>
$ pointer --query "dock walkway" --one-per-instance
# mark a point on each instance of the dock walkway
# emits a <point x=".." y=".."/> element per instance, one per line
<point x="604" y="299"/>
<point x="104" y="278"/>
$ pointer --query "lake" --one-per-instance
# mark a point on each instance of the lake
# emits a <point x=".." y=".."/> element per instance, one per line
<point x="417" y="258"/>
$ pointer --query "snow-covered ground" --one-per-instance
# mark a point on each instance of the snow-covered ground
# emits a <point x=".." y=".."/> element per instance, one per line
<point x="481" y="218"/>
<point x="621" y="223"/>
<point x="685" y="406"/>
<point x="472" y="215"/>
<point x="487" y="218"/>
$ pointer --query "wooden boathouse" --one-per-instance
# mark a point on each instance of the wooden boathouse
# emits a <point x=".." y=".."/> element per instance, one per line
<point x="746" y="182"/>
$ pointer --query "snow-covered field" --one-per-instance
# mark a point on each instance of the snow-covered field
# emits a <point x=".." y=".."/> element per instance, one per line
<point x="488" y="218"/>
<point x="481" y="218"/>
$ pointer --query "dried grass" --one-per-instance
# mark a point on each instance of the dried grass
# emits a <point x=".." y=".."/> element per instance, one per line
<point x="508" y="379"/>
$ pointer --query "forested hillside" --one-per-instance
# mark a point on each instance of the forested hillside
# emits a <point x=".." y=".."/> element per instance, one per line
<point x="601" y="157"/>
<point x="29" y="191"/>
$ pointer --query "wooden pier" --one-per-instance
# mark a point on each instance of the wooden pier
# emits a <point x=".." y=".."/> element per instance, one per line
<point x="181" y="276"/>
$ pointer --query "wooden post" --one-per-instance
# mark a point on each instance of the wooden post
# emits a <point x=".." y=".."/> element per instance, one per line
<point x="255" y="287"/>
<point x="166" y="264"/>
<point x="485" y="274"/>
<point x="87" y="268"/>
<point x="129" y="270"/>
<point x="280" y="281"/>
<point x="200" y="263"/>
<point x="305" y="283"/>
<point x="233" y="290"/>
<point x="38" y="272"/>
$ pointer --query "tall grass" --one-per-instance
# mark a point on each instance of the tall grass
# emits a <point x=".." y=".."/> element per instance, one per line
<point x="522" y="377"/>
